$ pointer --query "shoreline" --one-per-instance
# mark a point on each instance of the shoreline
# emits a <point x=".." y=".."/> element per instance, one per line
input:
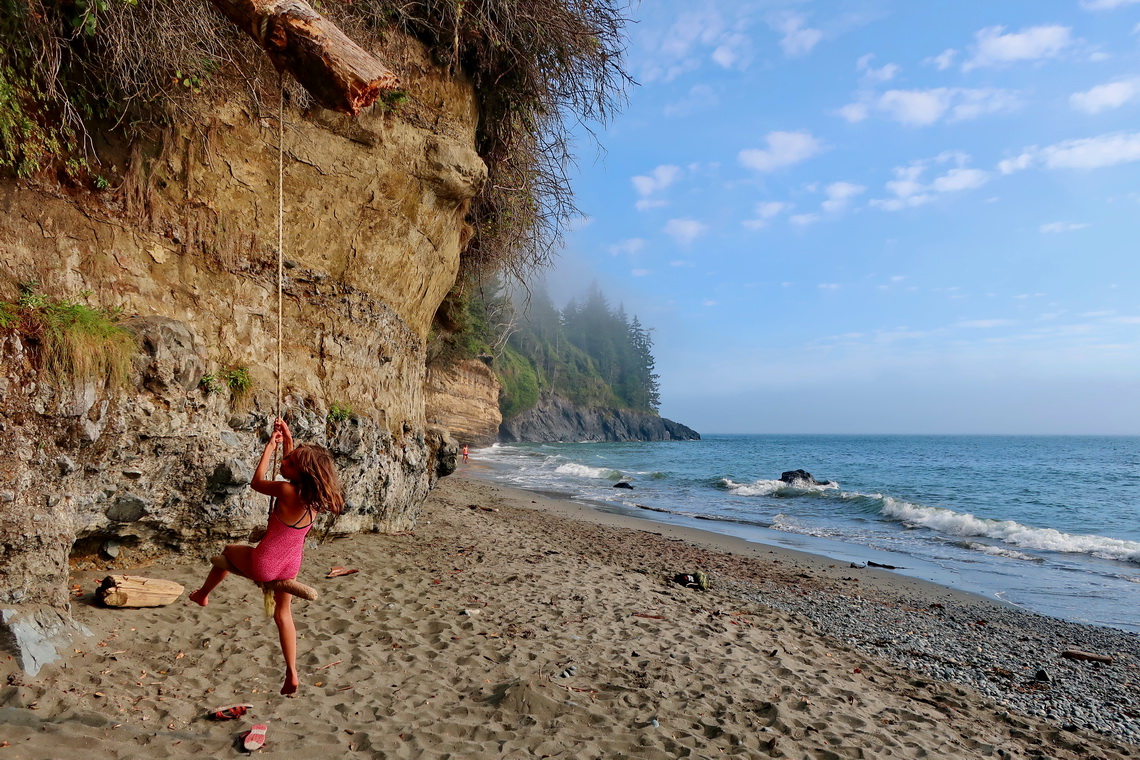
<point x="566" y="506"/>
<point x="925" y="617"/>
<point x="500" y="629"/>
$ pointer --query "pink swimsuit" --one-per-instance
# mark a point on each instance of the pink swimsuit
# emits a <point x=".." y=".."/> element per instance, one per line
<point x="278" y="555"/>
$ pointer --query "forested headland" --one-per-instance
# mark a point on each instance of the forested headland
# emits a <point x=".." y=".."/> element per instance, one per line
<point x="590" y="353"/>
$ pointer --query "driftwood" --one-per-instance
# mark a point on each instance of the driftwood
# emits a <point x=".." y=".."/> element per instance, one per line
<point x="136" y="591"/>
<point x="1076" y="654"/>
<point x="289" y="585"/>
<point x="338" y="73"/>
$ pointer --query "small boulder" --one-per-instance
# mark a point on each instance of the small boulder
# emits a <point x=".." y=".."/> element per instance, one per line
<point x="127" y="508"/>
<point x="171" y="356"/>
<point x="623" y="484"/>
<point x="230" y="473"/>
<point x="802" y="476"/>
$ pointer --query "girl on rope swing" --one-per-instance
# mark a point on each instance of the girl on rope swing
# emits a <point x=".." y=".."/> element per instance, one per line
<point x="311" y="486"/>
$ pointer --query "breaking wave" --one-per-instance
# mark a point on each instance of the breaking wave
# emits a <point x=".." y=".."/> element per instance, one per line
<point x="585" y="471"/>
<point x="772" y="487"/>
<point x="951" y="523"/>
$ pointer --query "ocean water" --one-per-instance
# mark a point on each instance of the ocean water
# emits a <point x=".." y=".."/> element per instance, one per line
<point x="1049" y="523"/>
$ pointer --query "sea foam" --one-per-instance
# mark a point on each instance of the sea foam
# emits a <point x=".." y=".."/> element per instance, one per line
<point x="951" y="523"/>
<point x="585" y="471"/>
<point x="769" y="487"/>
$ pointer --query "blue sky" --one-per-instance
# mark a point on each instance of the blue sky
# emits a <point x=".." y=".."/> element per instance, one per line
<point x="867" y="216"/>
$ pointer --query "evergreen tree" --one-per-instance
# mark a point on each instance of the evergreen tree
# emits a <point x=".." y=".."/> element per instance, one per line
<point x="590" y="353"/>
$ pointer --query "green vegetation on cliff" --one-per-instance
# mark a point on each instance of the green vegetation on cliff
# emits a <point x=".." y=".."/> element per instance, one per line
<point x="81" y="75"/>
<point x="590" y="353"/>
<point x="71" y="341"/>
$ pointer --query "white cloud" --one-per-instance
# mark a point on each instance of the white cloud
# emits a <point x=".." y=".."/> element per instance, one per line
<point x="733" y="52"/>
<point x="993" y="48"/>
<point x="1093" y="152"/>
<point x="769" y="209"/>
<point x="659" y="179"/>
<point x="984" y="324"/>
<point x="972" y="103"/>
<point x="855" y="112"/>
<point x="784" y="149"/>
<point x="871" y="74"/>
<point x="765" y="211"/>
<point x="922" y="108"/>
<point x="798" y="39"/>
<point x="959" y="179"/>
<point x="708" y="303"/>
<point x="1055" y="227"/>
<point x="839" y="195"/>
<point x="1105" y="5"/>
<point x="633" y="245"/>
<point x="649" y="184"/>
<point x="915" y="107"/>
<point x="909" y="188"/>
<point x="684" y="231"/>
<point x="699" y="98"/>
<point x="829" y="286"/>
<point x="681" y="48"/>
<point x="680" y="263"/>
<point x="943" y="60"/>
<point x="1016" y="164"/>
<point x="1104" y="96"/>
<point x="639" y="272"/>
<point x="803" y="220"/>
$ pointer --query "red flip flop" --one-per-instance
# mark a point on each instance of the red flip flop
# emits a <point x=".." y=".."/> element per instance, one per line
<point x="229" y="712"/>
<point x="254" y="738"/>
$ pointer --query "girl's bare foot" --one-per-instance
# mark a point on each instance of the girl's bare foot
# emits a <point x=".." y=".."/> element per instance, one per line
<point x="199" y="597"/>
<point x="292" y="683"/>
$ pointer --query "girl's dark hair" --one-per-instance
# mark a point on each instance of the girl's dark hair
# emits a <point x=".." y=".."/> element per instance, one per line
<point x="317" y="483"/>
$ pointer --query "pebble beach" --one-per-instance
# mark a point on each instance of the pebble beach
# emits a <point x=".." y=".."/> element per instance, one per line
<point x="510" y="624"/>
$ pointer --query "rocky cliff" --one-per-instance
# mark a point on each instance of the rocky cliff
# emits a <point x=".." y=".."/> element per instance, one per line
<point x="464" y="399"/>
<point x="375" y="225"/>
<point x="555" y="419"/>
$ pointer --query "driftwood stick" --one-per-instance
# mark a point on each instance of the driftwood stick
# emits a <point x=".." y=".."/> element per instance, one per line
<point x="289" y="585"/>
<point x="338" y="73"/>
<point x="1076" y="654"/>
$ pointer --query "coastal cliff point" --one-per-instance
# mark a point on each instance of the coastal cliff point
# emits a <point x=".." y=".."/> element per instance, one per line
<point x="155" y="210"/>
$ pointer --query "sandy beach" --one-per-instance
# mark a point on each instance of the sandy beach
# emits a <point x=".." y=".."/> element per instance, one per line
<point x="513" y="625"/>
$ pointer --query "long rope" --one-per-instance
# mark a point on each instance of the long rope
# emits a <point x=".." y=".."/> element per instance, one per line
<point x="280" y="224"/>
<point x="280" y="251"/>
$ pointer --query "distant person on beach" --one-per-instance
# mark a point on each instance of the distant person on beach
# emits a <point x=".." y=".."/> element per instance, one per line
<point x="465" y="453"/>
<point x="311" y="486"/>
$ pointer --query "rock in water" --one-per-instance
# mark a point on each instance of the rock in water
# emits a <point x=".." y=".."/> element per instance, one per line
<point x="802" y="476"/>
<point x="623" y="484"/>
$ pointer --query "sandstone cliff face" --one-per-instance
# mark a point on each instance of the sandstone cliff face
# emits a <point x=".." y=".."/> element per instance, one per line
<point x="554" y="419"/>
<point x="464" y="399"/>
<point x="375" y="224"/>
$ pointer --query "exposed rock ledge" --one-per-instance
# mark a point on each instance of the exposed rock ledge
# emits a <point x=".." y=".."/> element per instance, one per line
<point x="464" y="399"/>
<point x="376" y="220"/>
<point x="556" y="420"/>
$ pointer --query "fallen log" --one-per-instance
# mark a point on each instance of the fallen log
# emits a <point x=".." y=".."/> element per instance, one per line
<point x="338" y="73"/>
<point x="1076" y="654"/>
<point x="136" y="591"/>
<point x="289" y="585"/>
